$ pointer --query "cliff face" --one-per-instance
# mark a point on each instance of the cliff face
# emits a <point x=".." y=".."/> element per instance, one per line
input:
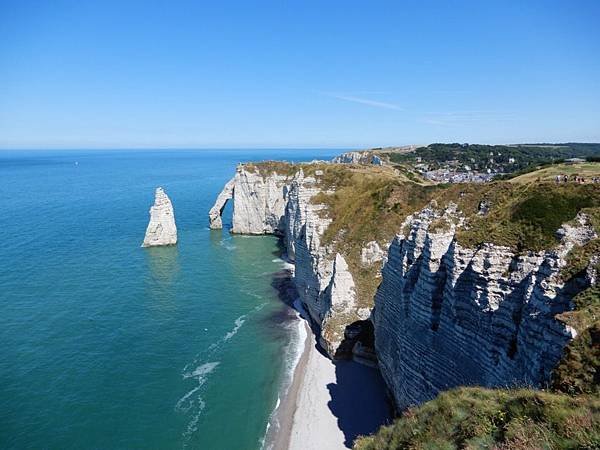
<point x="282" y="205"/>
<point x="446" y="315"/>
<point x="258" y="203"/>
<point x="357" y="158"/>
<point x="161" y="228"/>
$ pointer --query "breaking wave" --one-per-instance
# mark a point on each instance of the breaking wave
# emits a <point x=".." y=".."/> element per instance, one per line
<point x="200" y="369"/>
<point x="294" y="350"/>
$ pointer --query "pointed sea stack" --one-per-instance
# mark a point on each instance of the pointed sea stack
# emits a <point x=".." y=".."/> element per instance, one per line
<point x="161" y="229"/>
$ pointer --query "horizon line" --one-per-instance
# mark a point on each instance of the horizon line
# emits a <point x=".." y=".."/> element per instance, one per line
<point x="295" y="147"/>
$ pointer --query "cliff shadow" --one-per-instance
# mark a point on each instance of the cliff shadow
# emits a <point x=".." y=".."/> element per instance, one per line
<point x="359" y="400"/>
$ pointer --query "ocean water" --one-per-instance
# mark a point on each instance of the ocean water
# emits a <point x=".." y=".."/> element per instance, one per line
<point x="105" y="344"/>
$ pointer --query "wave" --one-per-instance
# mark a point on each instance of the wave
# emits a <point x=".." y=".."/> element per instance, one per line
<point x="201" y="372"/>
<point x="226" y="244"/>
<point x="295" y="348"/>
<point x="238" y="324"/>
<point x="197" y="403"/>
<point x="192" y="426"/>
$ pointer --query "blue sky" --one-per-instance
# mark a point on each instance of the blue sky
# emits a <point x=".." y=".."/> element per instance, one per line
<point x="105" y="74"/>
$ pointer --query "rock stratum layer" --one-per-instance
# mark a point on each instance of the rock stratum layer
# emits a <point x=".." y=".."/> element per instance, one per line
<point x="161" y="228"/>
<point x="444" y="315"/>
<point x="282" y="205"/>
<point x="447" y="316"/>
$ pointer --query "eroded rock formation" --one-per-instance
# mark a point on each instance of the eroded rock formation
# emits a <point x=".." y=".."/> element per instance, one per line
<point x="282" y="205"/>
<point x="161" y="228"/>
<point x="258" y="202"/>
<point x="446" y="315"/>
<point x="215" y="213"/>
<point x="358" y="158"/>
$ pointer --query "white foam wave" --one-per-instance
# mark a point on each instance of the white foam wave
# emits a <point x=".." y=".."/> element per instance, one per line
<point x="202" y="370"/>
<point x="295" y="348"/>
<point x="238" y="324"/>
<point x="192" y="426"/>
<point x="192" y="400"/>
<point x="252" y="294"/>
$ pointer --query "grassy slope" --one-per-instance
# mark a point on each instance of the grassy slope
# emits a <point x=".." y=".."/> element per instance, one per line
<point x="371" y="203"/>
<point x="587" y="170"/>
<point x="476" y="418"/>
<point x="523" y="216"/>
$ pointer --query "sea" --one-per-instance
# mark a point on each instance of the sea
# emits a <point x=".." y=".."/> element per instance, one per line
<point x="108" y="345"/>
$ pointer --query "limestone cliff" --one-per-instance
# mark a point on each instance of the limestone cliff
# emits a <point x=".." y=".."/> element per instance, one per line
<point x="283" y="205"/>
<point x="446" y="315"/>
<point x="365" y="157"/>
<point x="258" y="202"/>
<point x="161" y="228"/>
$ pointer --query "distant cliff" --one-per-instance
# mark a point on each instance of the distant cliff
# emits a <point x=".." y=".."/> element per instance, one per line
<point x="280" y="201"/>
<point x="468" y="292"/>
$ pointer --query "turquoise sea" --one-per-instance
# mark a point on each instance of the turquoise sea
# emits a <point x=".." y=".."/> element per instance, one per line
<point x="109" y="345"/>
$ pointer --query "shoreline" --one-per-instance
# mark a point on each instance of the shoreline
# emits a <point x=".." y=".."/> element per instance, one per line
<point x="279" y="435"/>
<point x="326" y="404"/>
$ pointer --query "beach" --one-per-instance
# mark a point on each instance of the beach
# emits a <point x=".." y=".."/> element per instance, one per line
<point x="329" y="404"/>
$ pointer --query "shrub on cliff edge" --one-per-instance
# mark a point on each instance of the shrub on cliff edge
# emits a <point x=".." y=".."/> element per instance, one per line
<point x="477" y="418"/>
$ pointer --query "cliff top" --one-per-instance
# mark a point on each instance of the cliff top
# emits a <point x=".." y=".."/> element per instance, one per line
<point x="486" y="418"/>
<point x="371" y="203"/>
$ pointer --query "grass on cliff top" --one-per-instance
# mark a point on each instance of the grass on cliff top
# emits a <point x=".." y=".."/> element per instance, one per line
<point x="526" y="217"/>
<point x="549" y="173"/>
<point x="579" y="369"/>
<point x="477" y="418"/>
<point x="368" y="203"/>
<point x="371" y="203"/>
<point x="266" y="168"/>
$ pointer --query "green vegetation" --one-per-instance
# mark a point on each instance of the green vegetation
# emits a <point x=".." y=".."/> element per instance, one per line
<point x="498" y="158"/>
<point x="371" y="203"/>
<point x="579" y="370"/>
<point x="266" y="168"/>
<point x="477" y="418"/>
<point x="527" y="217"/>
<point x="548" y="172"/>
<point x="524" y="214"/>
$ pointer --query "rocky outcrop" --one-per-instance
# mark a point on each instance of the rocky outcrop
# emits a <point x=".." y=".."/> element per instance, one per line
<point x="161" y="228"/>
<point x="358" y="158"/>
<point x="215" y="213"/>
<point x="323" y="281"/>
<point x="283" y="205"/>
<point x="258" y="202"/>
<point x="446" y="315"/>
<point x="372" y="253"/>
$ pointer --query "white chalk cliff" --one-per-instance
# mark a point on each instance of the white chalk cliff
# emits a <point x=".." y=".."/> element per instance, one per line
<point x="444" y="315"/>
<point x="161" y="228"/>
<point x="282" y="205"/>
<point x="357" y="158"/>
<point x="258" y="202"/>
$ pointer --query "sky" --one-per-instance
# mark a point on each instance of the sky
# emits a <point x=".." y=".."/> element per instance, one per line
<point x="343" y="74"/>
